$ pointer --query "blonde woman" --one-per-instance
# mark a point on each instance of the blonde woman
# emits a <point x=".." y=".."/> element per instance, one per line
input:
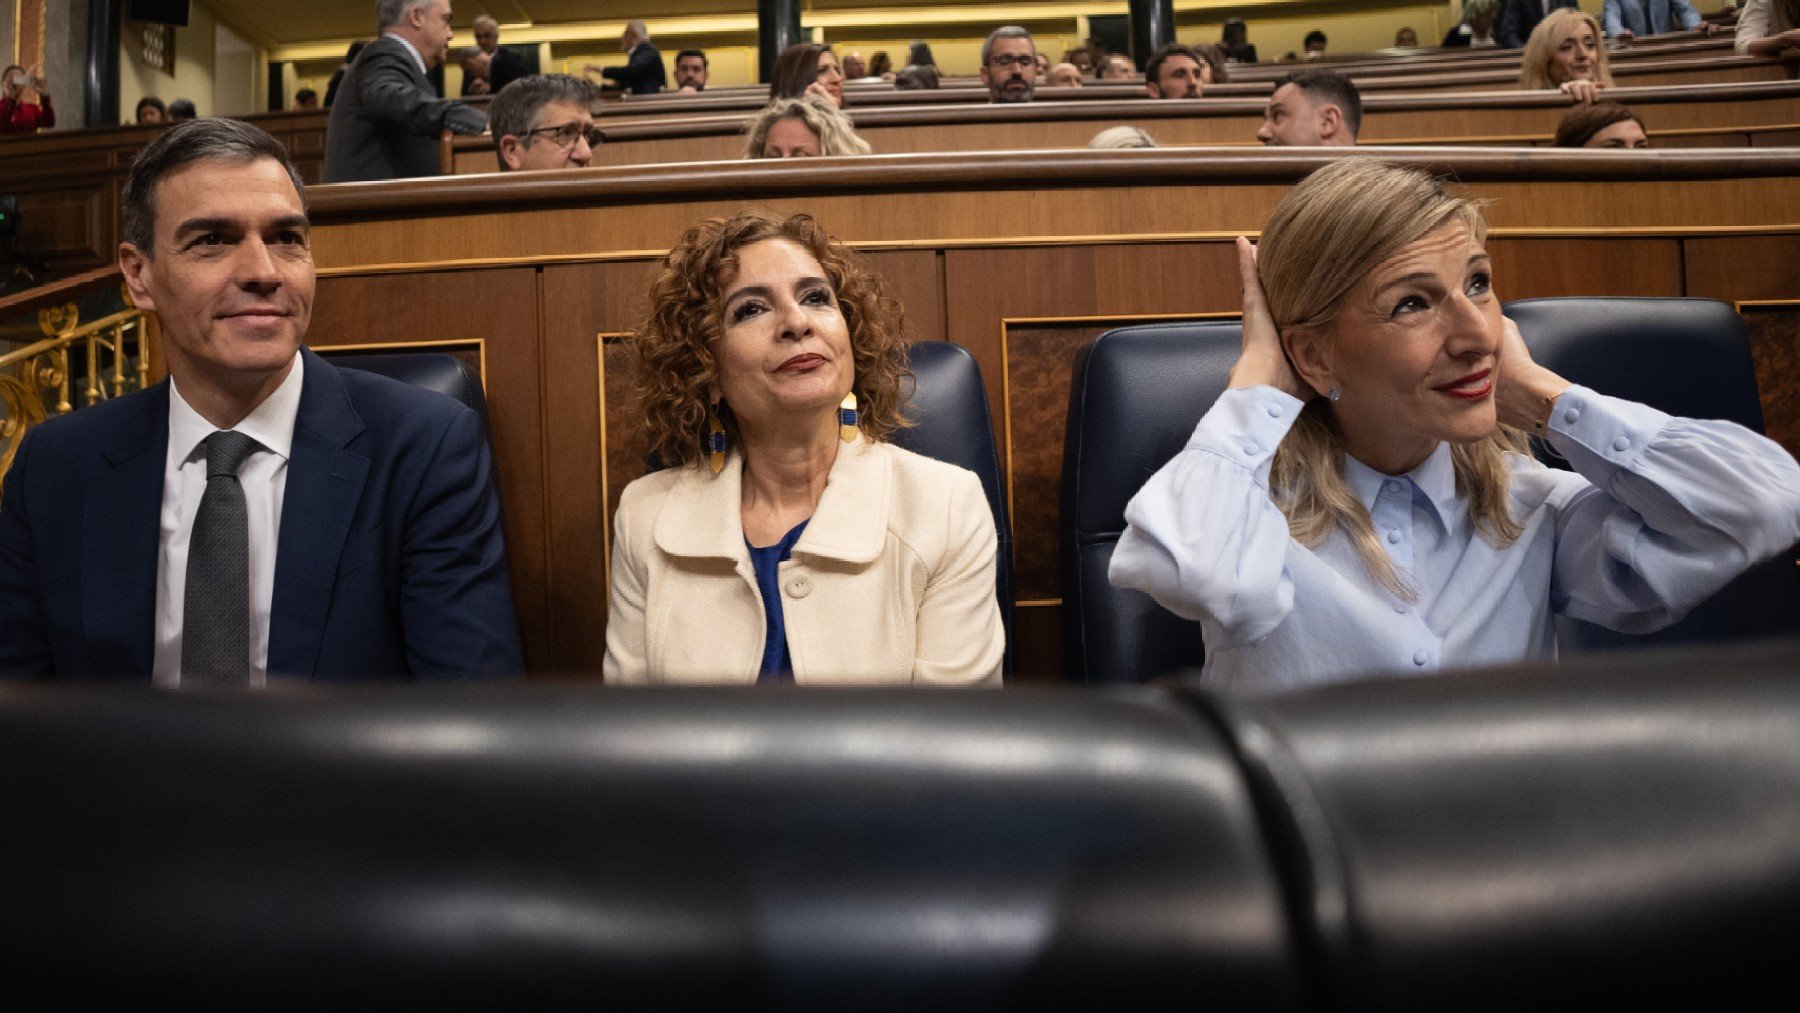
<point x="1361" y="498"/>
<point x="802" y="128"/>
<point x="1564" y="52"/>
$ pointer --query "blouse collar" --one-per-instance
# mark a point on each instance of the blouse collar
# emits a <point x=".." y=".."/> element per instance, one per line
<point x="1435" y="478"/>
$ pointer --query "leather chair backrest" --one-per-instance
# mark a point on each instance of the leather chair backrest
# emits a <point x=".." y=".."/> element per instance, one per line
<point x="952" y="424"/>
<point x="1137" y="394"/>
<point x="1687" y="357"/>
<point x="445" y="374"/>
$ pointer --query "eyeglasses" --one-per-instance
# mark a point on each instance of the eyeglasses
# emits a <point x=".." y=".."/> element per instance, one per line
<point x="1021" y="62"/>
<point x="565" y="135"/>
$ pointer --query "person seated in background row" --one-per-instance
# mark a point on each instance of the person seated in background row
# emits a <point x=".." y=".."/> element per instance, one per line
<point x="24" y="103"/>
<point x="1234" y="41"/>
<point x="1601" y="125"/>
<point x="791" y="542"/>
<point x="1476" y="29"/>
<point x="1009" y="64"/>
<point x="1625" y="20"/>
<point x="918" y="54"/>
<point x="1364" y="498"/>
<point x="1176" y="71"/>
<point x="916" y="77"/>
<point x="316" y="522"/>
<point x="1122" y="137"/>
<point x="474" y="65"/>
<point x="807" y="68"/>
<point x="1216" y="70"/>
<point x="881" y="66"/>
<point x="1043" y="68"/>
<point x="1081" y="56"/>
<point x="803" y="127"/>
<point x="1063" y="75"/>
<point x="1312" y="108"/>
<point x="182" y="110"/>
<point x="306" y="100"/>
<point x="545" y="121"/>
<point x="1519" y="18"/>
<point x="151" y="112"/>
<point x="855" y="67"/>
<point x="1314" y="45"/>
<point x="1768" y="27"/>
<point x="691" y="70"/>
<point x="386" y="122"/>
<point x="503" y="66"/>
<point x="1565" y="53"/>
<point x="1406" y="38"/>
<point x="1116" y="68"/>
<point x="643" y="71"/>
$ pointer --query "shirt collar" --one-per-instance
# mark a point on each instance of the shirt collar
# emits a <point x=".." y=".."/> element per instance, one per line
<point x="414" y="50"/>
<point x="271" y="424"/>
<point x="1435" y="479"/>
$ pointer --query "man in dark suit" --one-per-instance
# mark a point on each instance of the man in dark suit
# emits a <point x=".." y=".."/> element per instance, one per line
<point x="1521" y="16"/>
<point x="504" y="66"/>
<point x="260" y="513"/>
<point x="387" y="117"/>
<point x="643" y="72"/>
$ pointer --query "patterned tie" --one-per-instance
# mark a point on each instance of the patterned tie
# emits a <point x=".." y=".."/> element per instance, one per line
<point x="215" y="617"/>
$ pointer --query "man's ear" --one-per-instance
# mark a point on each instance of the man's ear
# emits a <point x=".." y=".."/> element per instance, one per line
<point x="1152" y="90"/>
<point x="1331" y="122"/>
<point x="1308" y="352"/>
<point x="510" y="149"/>
<point x="135" y="266"/>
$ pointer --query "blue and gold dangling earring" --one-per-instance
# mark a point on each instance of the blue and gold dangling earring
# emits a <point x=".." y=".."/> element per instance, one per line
<point x="847" y="416"/>
<point x="715" y="442"/>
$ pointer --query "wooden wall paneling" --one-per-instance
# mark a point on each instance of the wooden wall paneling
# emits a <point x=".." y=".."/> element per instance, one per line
<point x="1761" y="276"/>
<point x="1775" y="349"/>
<point x="1541" y="267"/>
<point x="582" y="302"/>
<point x="1787" y="138"/>
<point x="499" y="308"/>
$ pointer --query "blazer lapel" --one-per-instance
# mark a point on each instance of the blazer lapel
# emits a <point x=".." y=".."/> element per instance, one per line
<point x="121" y="527"/>
<point x="324" y="487"/>
<point x="851" y="521"/>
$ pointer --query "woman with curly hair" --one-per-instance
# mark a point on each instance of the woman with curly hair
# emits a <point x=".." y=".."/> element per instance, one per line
<point x="1362" y="498"/>
<point x="802" y="128"/>
<point x="791" y="542"/>
<point x="1564" y="52"/>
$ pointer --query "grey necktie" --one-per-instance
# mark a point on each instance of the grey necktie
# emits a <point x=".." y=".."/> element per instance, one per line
<point x="215" y="616"/>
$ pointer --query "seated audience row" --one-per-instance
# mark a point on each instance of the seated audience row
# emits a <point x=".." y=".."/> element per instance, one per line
<point x="802" y="127"/>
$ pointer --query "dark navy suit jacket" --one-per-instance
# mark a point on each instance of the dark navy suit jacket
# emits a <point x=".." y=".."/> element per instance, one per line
<point x="1519" y="17"/>
<point x="390" y="559"/>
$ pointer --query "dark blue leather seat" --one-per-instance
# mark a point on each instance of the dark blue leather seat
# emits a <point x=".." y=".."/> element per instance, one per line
<point x="445" y="374"/>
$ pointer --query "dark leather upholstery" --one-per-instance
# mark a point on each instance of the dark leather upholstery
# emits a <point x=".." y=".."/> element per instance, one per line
<point x="1137" y="394"/>
<point x="445" y="374"/>
<point x="1619" y="832"/>
<point x="1687" y="357"/>
<point x="1622" y="832"/>
<point x="950" y="407"/>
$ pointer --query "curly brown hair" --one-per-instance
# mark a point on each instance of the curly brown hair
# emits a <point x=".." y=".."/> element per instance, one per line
<point x="677" y="365"/>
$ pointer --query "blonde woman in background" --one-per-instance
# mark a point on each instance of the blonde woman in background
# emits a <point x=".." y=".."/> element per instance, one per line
<point x="1565" y="52"/>
<point x="1362" y="498"/>
<point x="802" y="128"/>
<point x="1122" y="137"/>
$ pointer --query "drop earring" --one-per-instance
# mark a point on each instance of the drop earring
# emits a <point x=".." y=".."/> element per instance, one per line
<point x="1333" y="394"/>
<point x="714" y="444"/>
<point x="847" y="418"/>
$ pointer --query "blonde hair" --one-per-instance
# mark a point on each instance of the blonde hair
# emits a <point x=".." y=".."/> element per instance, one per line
<point x="1323" y="240"/>
<point x="1540" y="50"/>
<point x="1122" y="137"/>
<point x="836" y="134"/>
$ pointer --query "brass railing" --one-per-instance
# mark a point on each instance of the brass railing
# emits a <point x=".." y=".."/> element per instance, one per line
<point x="36" y="380"/>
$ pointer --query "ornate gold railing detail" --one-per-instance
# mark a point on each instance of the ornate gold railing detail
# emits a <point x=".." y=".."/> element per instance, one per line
<point x="35" y="381"/>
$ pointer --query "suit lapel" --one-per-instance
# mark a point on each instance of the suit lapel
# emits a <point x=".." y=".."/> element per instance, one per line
<point x="121" y="527"/>
<point x="324" y="487"/>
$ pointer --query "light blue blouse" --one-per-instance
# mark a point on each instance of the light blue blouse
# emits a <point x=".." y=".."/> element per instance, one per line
<point x="1660" y="513"/>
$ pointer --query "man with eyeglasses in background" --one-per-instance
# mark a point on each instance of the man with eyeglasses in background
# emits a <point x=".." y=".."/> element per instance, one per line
<point x="545" y="121"/>
<point x="1009" y="65"/>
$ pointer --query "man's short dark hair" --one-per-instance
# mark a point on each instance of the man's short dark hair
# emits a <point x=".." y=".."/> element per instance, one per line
<point x="684" y="54"/>
<point x="183" y="108"/>
<point x="1329" y="86"/>
<point x="515" y="110"/>
<point x="1153" y="69"/>
<point x="184" y="144"/>
<point x="306" y="95"/>
<point x="1311" y="37"/>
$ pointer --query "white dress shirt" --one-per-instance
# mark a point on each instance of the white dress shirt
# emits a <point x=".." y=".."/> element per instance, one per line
<point x="264" y="478"/>
<point x="1659" y="513"/>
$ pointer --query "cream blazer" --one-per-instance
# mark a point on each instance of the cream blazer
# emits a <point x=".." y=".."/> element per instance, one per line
<point x="891" y="582"/>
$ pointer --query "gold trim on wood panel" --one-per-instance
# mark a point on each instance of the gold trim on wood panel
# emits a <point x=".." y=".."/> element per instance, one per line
<point x="1000" y="242"/>
<point x="1763" y="303"/>
<point x="600" y="339"/>
<point x="1006" y="390"/>
<point x="480" y="345"/>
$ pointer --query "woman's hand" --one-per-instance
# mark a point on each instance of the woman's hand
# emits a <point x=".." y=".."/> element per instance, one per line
<point x="1525" y="391"/>
<point x="818" y="90"/>
<point x="1582" y="91"/>
<point x="1262" y="361"/>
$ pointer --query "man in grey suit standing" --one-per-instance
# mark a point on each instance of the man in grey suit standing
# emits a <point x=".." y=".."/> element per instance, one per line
<point x="387" y="117"/>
